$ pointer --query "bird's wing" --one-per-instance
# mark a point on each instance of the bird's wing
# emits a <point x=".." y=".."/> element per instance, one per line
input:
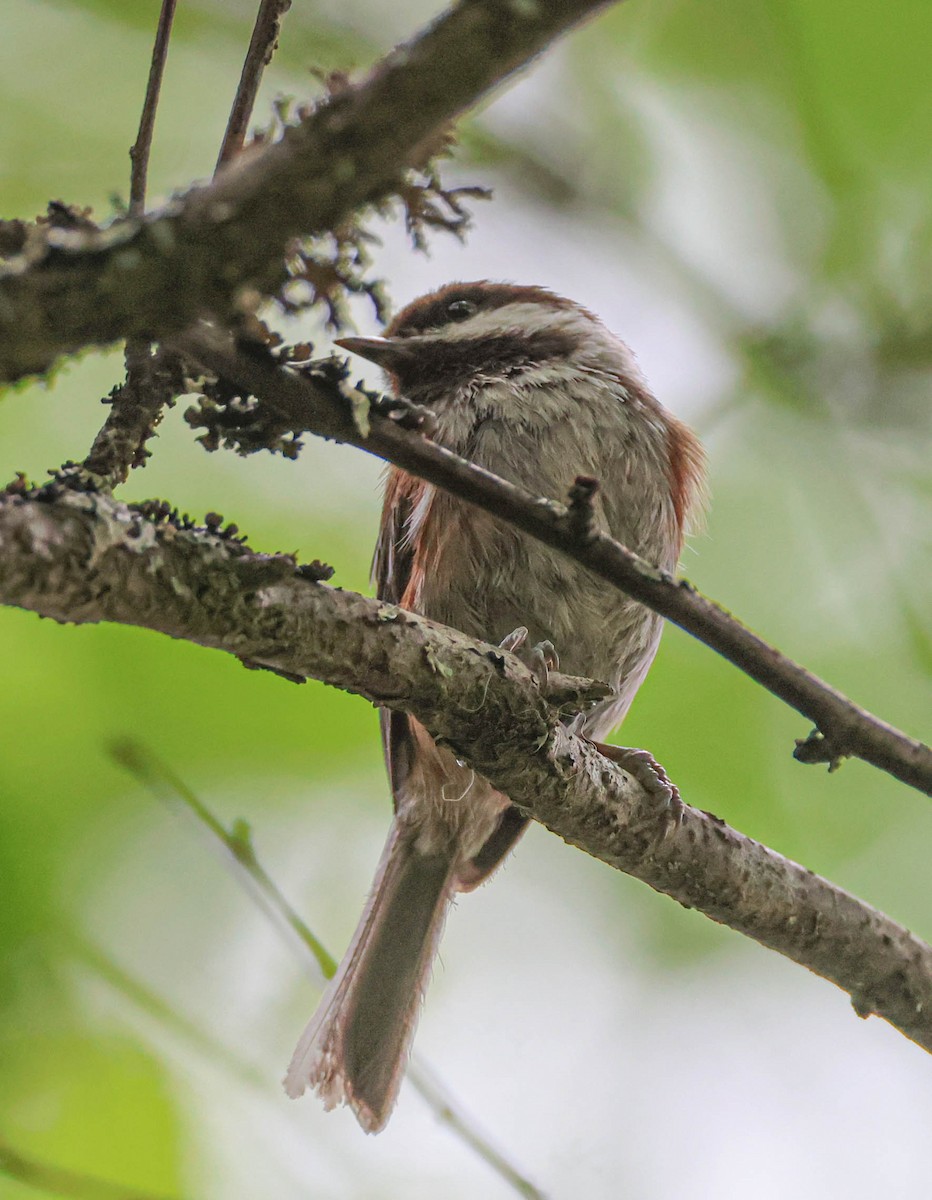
<point x="392" y="567"/>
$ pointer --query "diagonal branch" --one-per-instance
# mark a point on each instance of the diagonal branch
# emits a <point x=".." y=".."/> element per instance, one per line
<point x="843" y="728"/>
<point x="84" y="558"/>
<point x="154" y="277"/>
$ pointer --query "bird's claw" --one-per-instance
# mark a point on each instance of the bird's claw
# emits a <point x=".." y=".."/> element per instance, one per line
<point x="515" y="640"/>
<point x="540" y="659"/>
<point x="645" y="770"/>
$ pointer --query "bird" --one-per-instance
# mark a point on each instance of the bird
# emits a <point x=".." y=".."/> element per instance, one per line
<point x="534" y="387"/>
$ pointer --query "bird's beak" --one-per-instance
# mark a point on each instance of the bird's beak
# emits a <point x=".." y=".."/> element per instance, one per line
<point x="390" y="353"/>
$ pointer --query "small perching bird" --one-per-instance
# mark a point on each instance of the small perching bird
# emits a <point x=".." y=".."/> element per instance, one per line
<point x="534" y="388"/>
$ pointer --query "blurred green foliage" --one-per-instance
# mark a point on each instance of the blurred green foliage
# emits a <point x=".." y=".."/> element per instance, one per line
<point x="808" y="128"/>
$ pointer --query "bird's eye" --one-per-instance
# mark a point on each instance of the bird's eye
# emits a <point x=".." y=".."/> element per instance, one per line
<point x="459" y="310"/>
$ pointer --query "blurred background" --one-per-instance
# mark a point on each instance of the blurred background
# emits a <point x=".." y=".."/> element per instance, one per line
<point x="741" y="190"/>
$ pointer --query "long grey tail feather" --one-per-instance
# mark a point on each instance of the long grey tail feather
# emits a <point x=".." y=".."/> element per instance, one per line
<point x="355" y="1047"/>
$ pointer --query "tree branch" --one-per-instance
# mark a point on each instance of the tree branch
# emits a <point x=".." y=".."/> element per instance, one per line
<point x="153" y="382"/>
<point x="141" y="148"/>
<point x="153" y="277"/>
<point x="82" y="558"/>
<point x="136" y="406"/>
<point x="261" y="48"/>
<point x="326" y="408"/>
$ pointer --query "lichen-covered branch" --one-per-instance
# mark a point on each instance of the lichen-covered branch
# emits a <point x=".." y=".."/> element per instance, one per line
<point x="201" y="253"/>
<point x="153" y="382"/>
<point x="85" y="558"/>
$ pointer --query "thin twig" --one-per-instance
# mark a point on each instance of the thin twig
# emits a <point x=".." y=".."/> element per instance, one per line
<point x="262" y="46"/>
<point x="164" y="783"/>
<point x="844" y="728"/>
<point x="250" y="1075"/>
<point x="436" y="1096"/>
<point x="77" y="945"/>
<point x="141" y="148"/>
<point x="167" y="785"/>
<point x="136" y="407"/>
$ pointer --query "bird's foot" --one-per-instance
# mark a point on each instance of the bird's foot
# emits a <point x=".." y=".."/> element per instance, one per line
<point x="571" y="694"/>
<point x="646" y="771"/>
<point x="540" y="660"/>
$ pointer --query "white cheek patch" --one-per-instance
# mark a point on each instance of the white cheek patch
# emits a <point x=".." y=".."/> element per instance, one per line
<point x="600" y="349"/>
<point x="517" y="316"/>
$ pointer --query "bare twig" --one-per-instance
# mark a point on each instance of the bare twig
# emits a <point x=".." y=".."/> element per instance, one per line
<point x="213" y="247"/>
<point x="844" y="728"/>
<point x="79" y="557"/>
<point x="261" y="48"/>
<point x="141" y="148"/>
<point x="92" y="957"/>
<point x="136" y="407"/>
<point x="237" y="842"/>
<point x="438" y="1099"/>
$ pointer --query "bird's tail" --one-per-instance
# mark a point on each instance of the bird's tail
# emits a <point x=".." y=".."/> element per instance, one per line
<point x="356" y="1045"/>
